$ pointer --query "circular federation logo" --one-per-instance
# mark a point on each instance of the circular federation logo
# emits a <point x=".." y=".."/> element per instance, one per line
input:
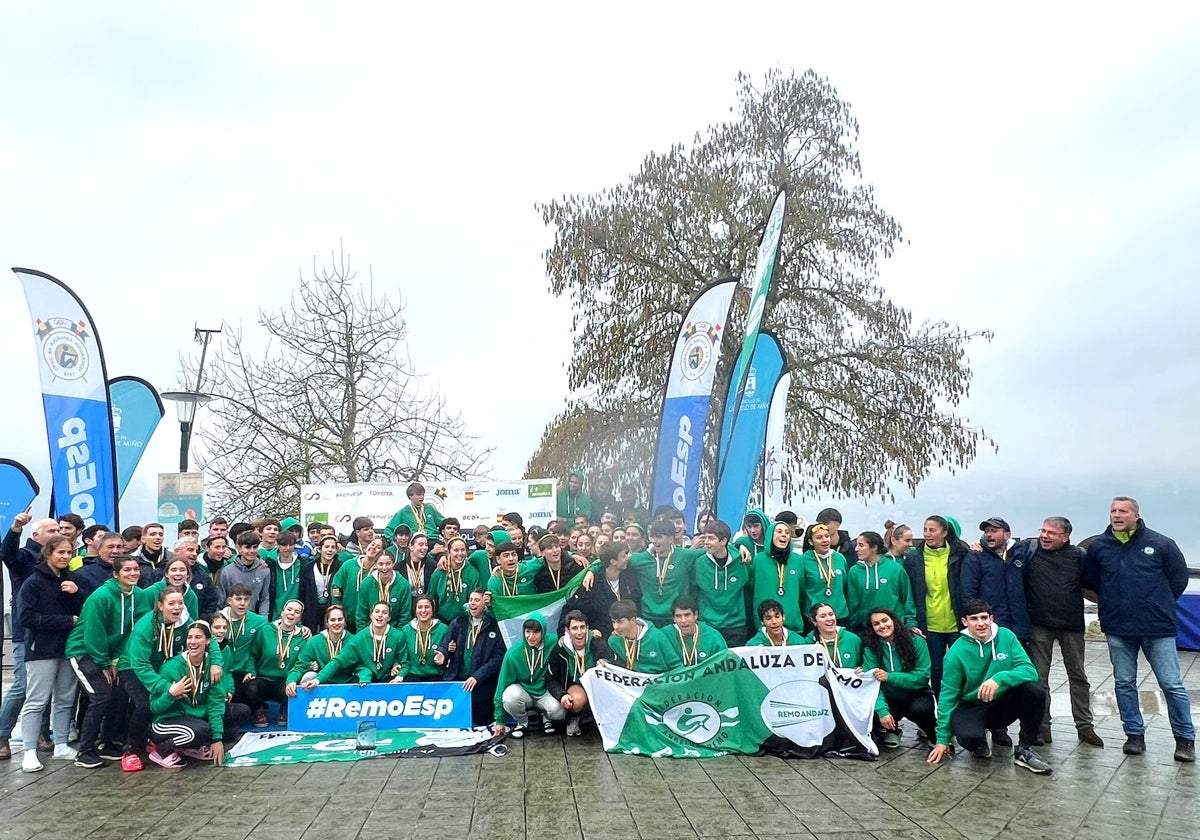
<point x="697" y="353"/>
<point x="694" y="720"/>
<point x="64" y="348"/>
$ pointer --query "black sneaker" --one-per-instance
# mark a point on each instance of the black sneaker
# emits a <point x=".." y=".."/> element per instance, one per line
<point x="1027" y="758"/>
<point x="1134" y="745"/>
<point x="89" y="760"/>
<point x="982" y="751"/>
<point x="548" y="727"/>
<point x="1000" y="738"/>
<point x="110" y="753"/>
<point x="1185" y="750"/>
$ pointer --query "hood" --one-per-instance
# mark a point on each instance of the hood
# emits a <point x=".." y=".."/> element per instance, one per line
<point x="288" y="523"/>
<point x="435" y="622"/>
<point x="987" y="645"/>
<point x="643" y="628"/>
<point x="954" y="526"/>
<point x="761" y="516"/>
<point x="540" y="619"/>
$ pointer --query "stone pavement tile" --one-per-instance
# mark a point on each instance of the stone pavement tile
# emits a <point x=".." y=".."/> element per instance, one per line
<point x="713" y="818"/>
<point x="902" y="834"/>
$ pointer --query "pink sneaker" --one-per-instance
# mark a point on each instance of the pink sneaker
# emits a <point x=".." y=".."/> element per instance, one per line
<point x="202" y="754"/>
<point x="170" y="760"/>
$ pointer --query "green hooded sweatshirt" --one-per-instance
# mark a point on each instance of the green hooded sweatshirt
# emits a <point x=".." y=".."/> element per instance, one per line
<point x="659" y="593"/>
<point x="761" y="639"/>
<point x="695" y="648"/>
<point x="150" y="645"/>
<point x="771" y="576"/>
<point x="649" y="653"/>
<point x="481" y="562"/>
<point x="105" y="622"/>
<point x="399" y="600"/>
<point x="407" y="515"/>
<point x="525" y="666"/>
<point x="825" y="585"/>
<point x="358" y="658"/>
<point x="287" y="582"/>
<point x="723" y="590"/>
<point x="568" y="507"/>
<point x="343" y="590"/>
<point x="317" y="652"/>
<point x="882" y="584"/>
<point x="844" y="652"/>
<point x="502" y="585"/>
<point x="206" y="701"/>
<point x="274" y="650"/>
<point x="744" y="540"/>
<point x="451" y="589"/>
<point x="969" y="662"/>
<point x="422" y="647"/>
<point x="191" y="605"/>
<point x="899" y="682"/>
<point x="238" y="653"/>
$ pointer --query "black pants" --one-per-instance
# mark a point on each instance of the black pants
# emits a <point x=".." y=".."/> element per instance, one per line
<point x="483" y="704"/>
<point x="106" y="705"/>
<point x="139" y="713"/>
<point x="258" y="691"/>
<point x="1026" y="702"/>
<point x="938" y="643"/>
<point x="917" y="706"/>
<point x="237" y="715"/>
<point x="180" y="732"/>
<point x="735" y="636"/>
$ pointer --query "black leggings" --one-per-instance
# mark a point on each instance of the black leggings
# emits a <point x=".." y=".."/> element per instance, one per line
<point x="258" y="691"/>
<point x="237" y="715"/>
<point x="1025" y="702"/>
<point x="917" y="706"/>
<point x="179" y="733"/>
<point x="139" y="714"/>
<point x="106" y="705"/>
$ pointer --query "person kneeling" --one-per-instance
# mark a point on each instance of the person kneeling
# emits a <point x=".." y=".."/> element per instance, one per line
<point x="578" y="651"/>
<point x="522" y="681"/>
<point x="188" y="708"/>
<point x="987" y="683"/>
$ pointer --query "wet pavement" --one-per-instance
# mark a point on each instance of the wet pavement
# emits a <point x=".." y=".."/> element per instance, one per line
<point x="569" y="789"/>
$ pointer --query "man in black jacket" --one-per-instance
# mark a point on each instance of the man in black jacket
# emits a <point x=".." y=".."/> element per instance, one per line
<point x="577" y="651"/>
<point x="1054" y="594"/>
<point x="21" y="560"/>
<point x="474" y="650"/>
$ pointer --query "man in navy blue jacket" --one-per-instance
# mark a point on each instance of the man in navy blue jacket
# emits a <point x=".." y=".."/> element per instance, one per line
<point x="1139" y="574"/>
<point x="474" y="650"/>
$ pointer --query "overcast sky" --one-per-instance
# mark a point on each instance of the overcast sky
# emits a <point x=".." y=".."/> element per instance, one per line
<point x="176" y="166"/>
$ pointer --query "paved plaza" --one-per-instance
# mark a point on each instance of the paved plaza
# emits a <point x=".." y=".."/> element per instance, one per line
<point x="559" y="789"/>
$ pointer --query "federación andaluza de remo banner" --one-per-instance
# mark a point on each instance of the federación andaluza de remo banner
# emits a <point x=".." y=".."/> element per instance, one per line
<point x="786" y="701"/>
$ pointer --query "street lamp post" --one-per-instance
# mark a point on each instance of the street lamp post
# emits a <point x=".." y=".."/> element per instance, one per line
<point x="186" y="402"/>
<point x="185" y="409"/>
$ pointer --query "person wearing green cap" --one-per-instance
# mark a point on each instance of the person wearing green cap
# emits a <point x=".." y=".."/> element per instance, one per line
<point x="572" y="501"/>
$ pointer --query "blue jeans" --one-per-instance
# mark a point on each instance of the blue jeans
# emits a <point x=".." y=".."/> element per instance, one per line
<point x="14" y="698"/>
<point x="1164" y="662"/>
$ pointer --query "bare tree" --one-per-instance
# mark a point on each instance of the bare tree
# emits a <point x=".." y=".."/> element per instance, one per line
<point x="332" y="397"/>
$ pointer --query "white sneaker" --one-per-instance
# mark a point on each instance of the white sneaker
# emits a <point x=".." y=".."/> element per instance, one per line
<point x="64" y="753"/>
<point x="30" y="763"/>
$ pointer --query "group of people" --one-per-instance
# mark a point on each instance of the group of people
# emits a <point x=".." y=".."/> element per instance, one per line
<point x="163" y="655"/>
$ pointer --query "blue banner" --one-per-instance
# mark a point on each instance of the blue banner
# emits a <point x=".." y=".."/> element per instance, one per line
<point x="415" y="705"/>
<point x="136" y="410"/>
<point x="686" y="400"/>
<point x="17" y="491"/>
<point x="741" y="449"/>
<point x="75" y="397"/>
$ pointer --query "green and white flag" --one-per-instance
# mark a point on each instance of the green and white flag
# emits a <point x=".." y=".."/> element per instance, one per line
<point x="785" y="700"/>
<point x="510" y="611"/>
<point x="276" y="748"/>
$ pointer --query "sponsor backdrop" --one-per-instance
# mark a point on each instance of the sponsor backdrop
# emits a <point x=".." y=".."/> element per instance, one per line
<point x="480" y="503"/>
<point x="407" y="705"/>
<point x="785" y="700"/>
